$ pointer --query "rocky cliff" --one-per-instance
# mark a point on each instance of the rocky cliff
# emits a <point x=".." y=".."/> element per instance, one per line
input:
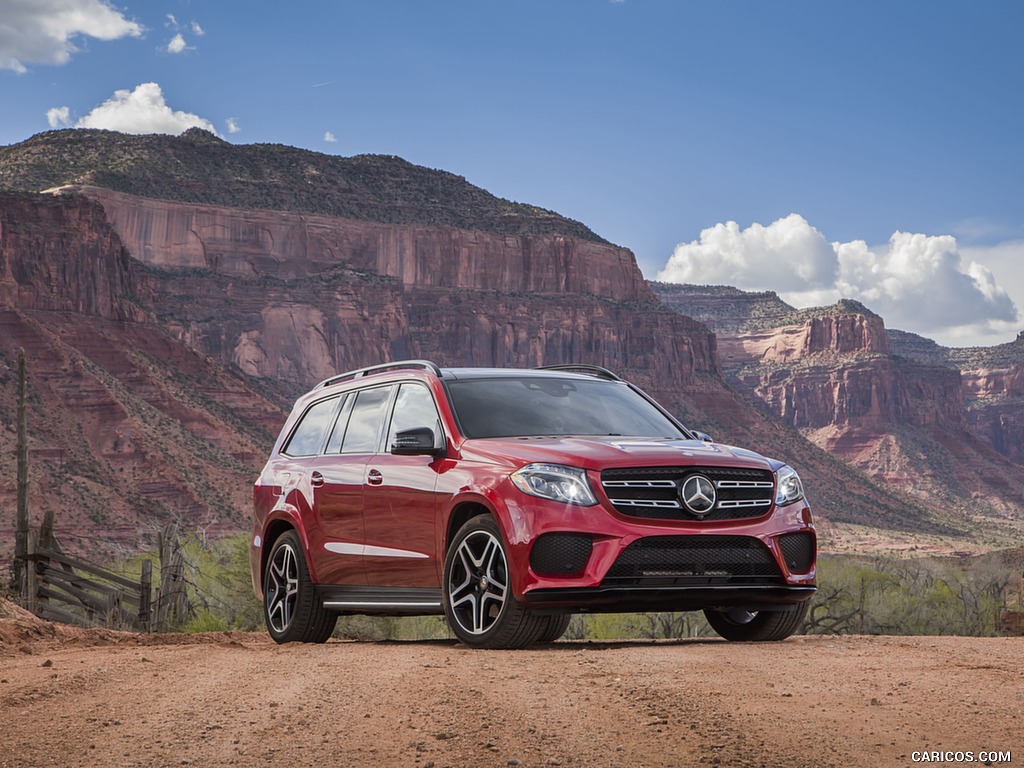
<point x="912" y="420"/>
<point x="167" y="336"/>
<point x="128" y="428"/>
<point x="162" y="402"/>
<point x="63" y="256"/>
<point x="254" y="244"/>
<point x="993" y="386"/>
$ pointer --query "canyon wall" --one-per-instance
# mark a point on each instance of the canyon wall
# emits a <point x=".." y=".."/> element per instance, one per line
<point x="253" y="244"/>
<point x="915" y="421"/>
<point x="62" y="255"/>
<point x="161" y="402"/>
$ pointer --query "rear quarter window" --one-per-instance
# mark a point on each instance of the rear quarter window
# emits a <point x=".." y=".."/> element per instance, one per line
<point x="308" y="436"/>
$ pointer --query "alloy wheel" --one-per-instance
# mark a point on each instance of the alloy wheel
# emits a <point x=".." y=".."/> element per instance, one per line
<point x="478" y="582"/>
<point x="282" y="588"/>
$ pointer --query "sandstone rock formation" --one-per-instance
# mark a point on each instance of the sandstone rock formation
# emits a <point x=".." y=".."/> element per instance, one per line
<point x="993" y="387"/>
<point x="175" y="293"/>
<point x="912" y="420"/>
<point x="160" y="396"/>
<point x="283" y="245"/>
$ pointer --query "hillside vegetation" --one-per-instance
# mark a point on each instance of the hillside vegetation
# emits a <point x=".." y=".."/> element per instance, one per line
<point x="198" y="167"/>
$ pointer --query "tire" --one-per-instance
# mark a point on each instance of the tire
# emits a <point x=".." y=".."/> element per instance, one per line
<point x="291" y="609"/>
<point x="556" y="627"/>
<point x="477" y="591"/>
<point x="757" y="626"/>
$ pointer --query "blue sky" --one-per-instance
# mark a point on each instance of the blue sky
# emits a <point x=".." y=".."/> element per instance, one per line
<point x="869" y="149"/>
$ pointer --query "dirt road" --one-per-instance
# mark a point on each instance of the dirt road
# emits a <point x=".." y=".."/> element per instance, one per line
<point x="94" y="698"/>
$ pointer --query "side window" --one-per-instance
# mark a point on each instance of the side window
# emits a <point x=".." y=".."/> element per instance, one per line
<point x="365" y="422"/>
<point x="308" y="435"/>
<point x="338" y="433"/>
<point x="414" y="407"/>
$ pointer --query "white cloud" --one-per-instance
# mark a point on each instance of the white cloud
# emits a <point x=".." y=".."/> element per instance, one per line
<point x="329" y="137"/>
<point x="140" y="111"/>
<point x="232" y="124"/>
<point x="790" y="253"/>
<point x="58" y="117"/>
<point x="917" y="282"/>
<point x="177" y="44"/>
<point x="44" y="31"/>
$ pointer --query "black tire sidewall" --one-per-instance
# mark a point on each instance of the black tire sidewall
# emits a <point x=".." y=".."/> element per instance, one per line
<point x="765" y="626"/>
<point x="479" y="523"/>
<point x="300" y="617"/>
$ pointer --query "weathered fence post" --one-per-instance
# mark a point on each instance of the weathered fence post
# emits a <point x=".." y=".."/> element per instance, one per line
<point x="32" y="574"/>
<point x="172" y="601"/>
<point x="145" y="589"/>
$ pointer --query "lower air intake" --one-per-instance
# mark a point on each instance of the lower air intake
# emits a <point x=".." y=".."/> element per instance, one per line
<point x="560" y="554"/>
<point x="797" y="551"/>
<point x="671" y="560"/>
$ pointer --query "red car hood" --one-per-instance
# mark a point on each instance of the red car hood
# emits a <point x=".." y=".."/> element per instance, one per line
<point x="603" y="452"/>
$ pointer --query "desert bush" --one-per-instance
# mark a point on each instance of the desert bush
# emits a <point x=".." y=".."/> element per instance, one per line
<point x="890" y="596"/>
<point x="856" y="595"/>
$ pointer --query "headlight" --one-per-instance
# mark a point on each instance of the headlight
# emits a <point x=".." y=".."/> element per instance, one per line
<point x="788" y="486"/>
<point x="555" y="482"/>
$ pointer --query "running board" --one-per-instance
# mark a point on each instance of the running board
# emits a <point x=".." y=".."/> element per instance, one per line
<point x="381" y="601"/>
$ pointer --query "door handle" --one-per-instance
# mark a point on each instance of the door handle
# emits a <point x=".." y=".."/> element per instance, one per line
<point x="374" y="477"/>
<point x="316" y="479"/>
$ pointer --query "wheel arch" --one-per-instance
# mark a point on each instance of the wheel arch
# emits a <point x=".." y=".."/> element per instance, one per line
<point x="275" y="529"/>
<point x="462" y="513"/>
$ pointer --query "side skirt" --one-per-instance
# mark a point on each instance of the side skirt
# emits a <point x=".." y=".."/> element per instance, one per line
<point x="381" y="601"/>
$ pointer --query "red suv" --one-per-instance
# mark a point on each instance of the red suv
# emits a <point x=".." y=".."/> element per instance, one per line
<point x="509" y="500"/>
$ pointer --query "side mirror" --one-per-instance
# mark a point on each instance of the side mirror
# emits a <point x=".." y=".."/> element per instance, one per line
<point x="703" y="436"/>
<point x="416" y="441"/>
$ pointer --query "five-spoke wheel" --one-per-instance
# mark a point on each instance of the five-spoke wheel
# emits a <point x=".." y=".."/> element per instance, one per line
<point x="478" y="581"/>
<point x="478" y="599"/>
<point x="291" y="609"/>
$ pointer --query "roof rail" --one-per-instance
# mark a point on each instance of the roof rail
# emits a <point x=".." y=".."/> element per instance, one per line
<point x="425" y="365"/>
<point x="592" y="370"/>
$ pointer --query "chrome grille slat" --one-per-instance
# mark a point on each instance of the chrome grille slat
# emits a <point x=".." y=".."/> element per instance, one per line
<point x="659" y="503"/>
<point x="653" y="492"/>
<point x="742" y="484"/>
<point x="639" y="484"/>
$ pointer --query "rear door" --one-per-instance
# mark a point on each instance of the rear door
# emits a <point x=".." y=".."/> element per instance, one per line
<point x="340" y="475"/>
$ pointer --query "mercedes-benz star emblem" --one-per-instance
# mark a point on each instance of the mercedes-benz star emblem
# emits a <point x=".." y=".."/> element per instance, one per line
<point x="698" y="495"/>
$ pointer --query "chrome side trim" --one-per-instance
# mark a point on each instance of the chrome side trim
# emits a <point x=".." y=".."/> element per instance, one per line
<point x="347" y="548"/>
<point x="363" y="604"/>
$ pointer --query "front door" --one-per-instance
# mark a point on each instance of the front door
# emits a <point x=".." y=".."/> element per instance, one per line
<point x="399" y="501"/>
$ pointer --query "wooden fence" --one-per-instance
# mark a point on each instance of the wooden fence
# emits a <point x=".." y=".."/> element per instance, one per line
<point x="74" y="591"/>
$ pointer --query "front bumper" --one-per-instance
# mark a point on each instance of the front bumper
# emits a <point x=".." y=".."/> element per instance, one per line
<point x="602" y="583"/>
<point x="619" y="599"/>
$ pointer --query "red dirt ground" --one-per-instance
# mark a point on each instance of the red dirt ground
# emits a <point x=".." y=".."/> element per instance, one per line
<point x="74" y="697"/>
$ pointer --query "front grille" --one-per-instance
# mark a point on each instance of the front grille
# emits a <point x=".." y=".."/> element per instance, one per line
<point x="653" y="492"/>
<point x="694" y="560"/>
<point x="797" y="551"/>
<point x="560" y="554"/>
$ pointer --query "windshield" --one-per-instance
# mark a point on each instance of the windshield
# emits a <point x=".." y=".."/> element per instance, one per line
<point x="531" y="406"/>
